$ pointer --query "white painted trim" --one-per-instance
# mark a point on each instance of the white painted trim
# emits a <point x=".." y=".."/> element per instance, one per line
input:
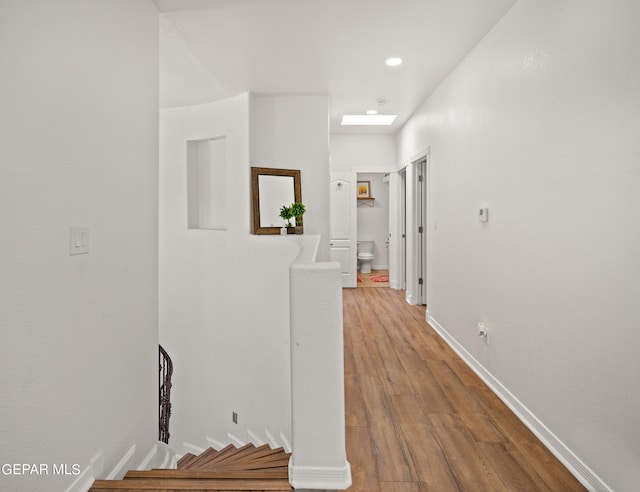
<point x="285" y="443"/>
<point x="380" y="267"/>
<point x="161" y="456"/>
<point x="273" y="443"/>
<point x="409" y="298"/>
<point x="151" y="455"/>
<point x="574" y="464"/>
<point x="320" y="477"/>
<point x="394" y="285"/>
<point x="215" y="444"/>
<point x="170" y="461"/>
<point x="236" y="441"/>
<point x="255" y="439"/>
<point x="88" y="475"/>
<point x="420" y="155"/>
<point x="123" y="466"/>
<point x="190" y="448"/>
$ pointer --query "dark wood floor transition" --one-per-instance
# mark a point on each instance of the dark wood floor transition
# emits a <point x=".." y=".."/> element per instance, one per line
<point x="418" y="419"/>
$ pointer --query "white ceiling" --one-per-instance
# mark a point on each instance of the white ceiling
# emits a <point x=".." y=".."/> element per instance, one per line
<point x="213" y="49"/>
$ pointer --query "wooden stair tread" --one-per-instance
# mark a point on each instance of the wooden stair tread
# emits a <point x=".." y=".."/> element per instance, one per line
<point x="271" y="473"/>
<point x="247" y="468"/>
<point x="263" y="452"/>
<point x="191" y="484"/>
<point x="245" y="458"/>
<point x="207" y="455"/>
<point x="224" y="454"/>
<point x="246" y="452"/>
<point x="186" y="459"/>
<point x="253" y="466"/>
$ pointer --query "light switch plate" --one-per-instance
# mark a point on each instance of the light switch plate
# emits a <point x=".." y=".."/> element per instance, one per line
<point x="78" y="240"/>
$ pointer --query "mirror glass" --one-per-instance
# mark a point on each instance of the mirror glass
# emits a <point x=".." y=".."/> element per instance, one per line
<point x="273" y="188"/>
<point x="275" y="191"/>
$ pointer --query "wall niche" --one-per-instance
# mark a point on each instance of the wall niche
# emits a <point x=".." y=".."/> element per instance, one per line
<point x="206" y="183"/>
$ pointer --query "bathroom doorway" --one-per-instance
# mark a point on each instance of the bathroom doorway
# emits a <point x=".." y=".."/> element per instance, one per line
<point x="373" y="229"/>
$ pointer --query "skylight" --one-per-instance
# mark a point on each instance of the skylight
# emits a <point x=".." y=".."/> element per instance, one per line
<point x="368" y="119"/>
<point x="394" y="62"/>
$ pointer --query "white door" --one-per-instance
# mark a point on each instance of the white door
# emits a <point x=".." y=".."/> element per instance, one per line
<point x="343" y="228"/>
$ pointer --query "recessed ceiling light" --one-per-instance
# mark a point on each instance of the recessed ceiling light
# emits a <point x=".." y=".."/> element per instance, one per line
<point x="394" y="62"/>
<point x="368" y="119"/>
<point x="372" y="111"/>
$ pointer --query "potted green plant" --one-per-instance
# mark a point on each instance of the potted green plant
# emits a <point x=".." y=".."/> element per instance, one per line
<point x="287" y="215"/>
<point x="297" y="210"/>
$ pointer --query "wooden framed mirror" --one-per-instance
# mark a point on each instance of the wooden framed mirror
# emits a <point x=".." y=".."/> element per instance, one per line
<point x="271" y="189"/>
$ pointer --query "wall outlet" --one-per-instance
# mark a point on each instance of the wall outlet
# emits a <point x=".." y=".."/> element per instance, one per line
<point x="234" y="417"/>
<point x="483" y="332"/>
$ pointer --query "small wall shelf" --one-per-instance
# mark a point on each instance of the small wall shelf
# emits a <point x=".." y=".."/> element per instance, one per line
<point x="366" y="201"/>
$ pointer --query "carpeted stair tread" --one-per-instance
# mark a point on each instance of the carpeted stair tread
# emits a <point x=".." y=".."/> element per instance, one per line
<point x="171" y="484"/>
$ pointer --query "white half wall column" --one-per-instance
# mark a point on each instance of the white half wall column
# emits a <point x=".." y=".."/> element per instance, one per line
<point x="318" y="458"/>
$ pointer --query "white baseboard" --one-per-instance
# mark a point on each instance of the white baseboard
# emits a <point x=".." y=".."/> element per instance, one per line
<point x="273" y="442"/>
<point x="320" y="477"/>
<point x="215" y="444"/>
<point x="123" y="466"/>
<point x="161" y="456"/>
<point x="190" y="448"/>
<point x="255" y="439"/>
<point x="380" y="267"/>
<point x="582" y="472"/>
<point x="88" y="475"/>
<point x="237" y="442"/>
<point x="285" y="443"/>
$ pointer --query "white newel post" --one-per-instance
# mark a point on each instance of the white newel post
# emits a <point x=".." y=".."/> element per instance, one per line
<point x="318" y="458"/>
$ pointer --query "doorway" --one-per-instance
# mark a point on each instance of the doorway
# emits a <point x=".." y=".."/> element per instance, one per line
<point x="421" y="224"/>
<point x="412" y="226"/>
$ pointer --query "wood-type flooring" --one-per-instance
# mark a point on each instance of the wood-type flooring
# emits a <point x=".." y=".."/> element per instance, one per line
<point x="418" y="419"/>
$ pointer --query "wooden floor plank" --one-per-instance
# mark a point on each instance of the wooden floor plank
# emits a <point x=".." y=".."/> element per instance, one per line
<point x="360" y="454"/>
<point x="509" y="465"/>
<point x="392" y="463"/>
<point x="432" y="469"/>
<point x="355" y="414"/>
<point x="419" y="419"/>
<point x="399" y="487"/>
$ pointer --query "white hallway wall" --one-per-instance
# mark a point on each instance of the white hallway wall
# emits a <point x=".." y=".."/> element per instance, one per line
<point x="224" y="295"/>
<point x="540" y="124"/>
<point x="292" y="132"/>
<point x="78" y="146"/>
<point x="368" y="154"/>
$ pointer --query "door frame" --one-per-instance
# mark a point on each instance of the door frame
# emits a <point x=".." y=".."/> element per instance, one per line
<point x="350" y="280"/>
<point x="418" y="214"/>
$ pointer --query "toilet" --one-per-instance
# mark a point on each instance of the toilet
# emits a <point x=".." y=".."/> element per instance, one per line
<point x="365" y="255"/>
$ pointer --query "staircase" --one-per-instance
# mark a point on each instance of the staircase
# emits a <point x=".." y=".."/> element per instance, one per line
<point x="247" y="468"/>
